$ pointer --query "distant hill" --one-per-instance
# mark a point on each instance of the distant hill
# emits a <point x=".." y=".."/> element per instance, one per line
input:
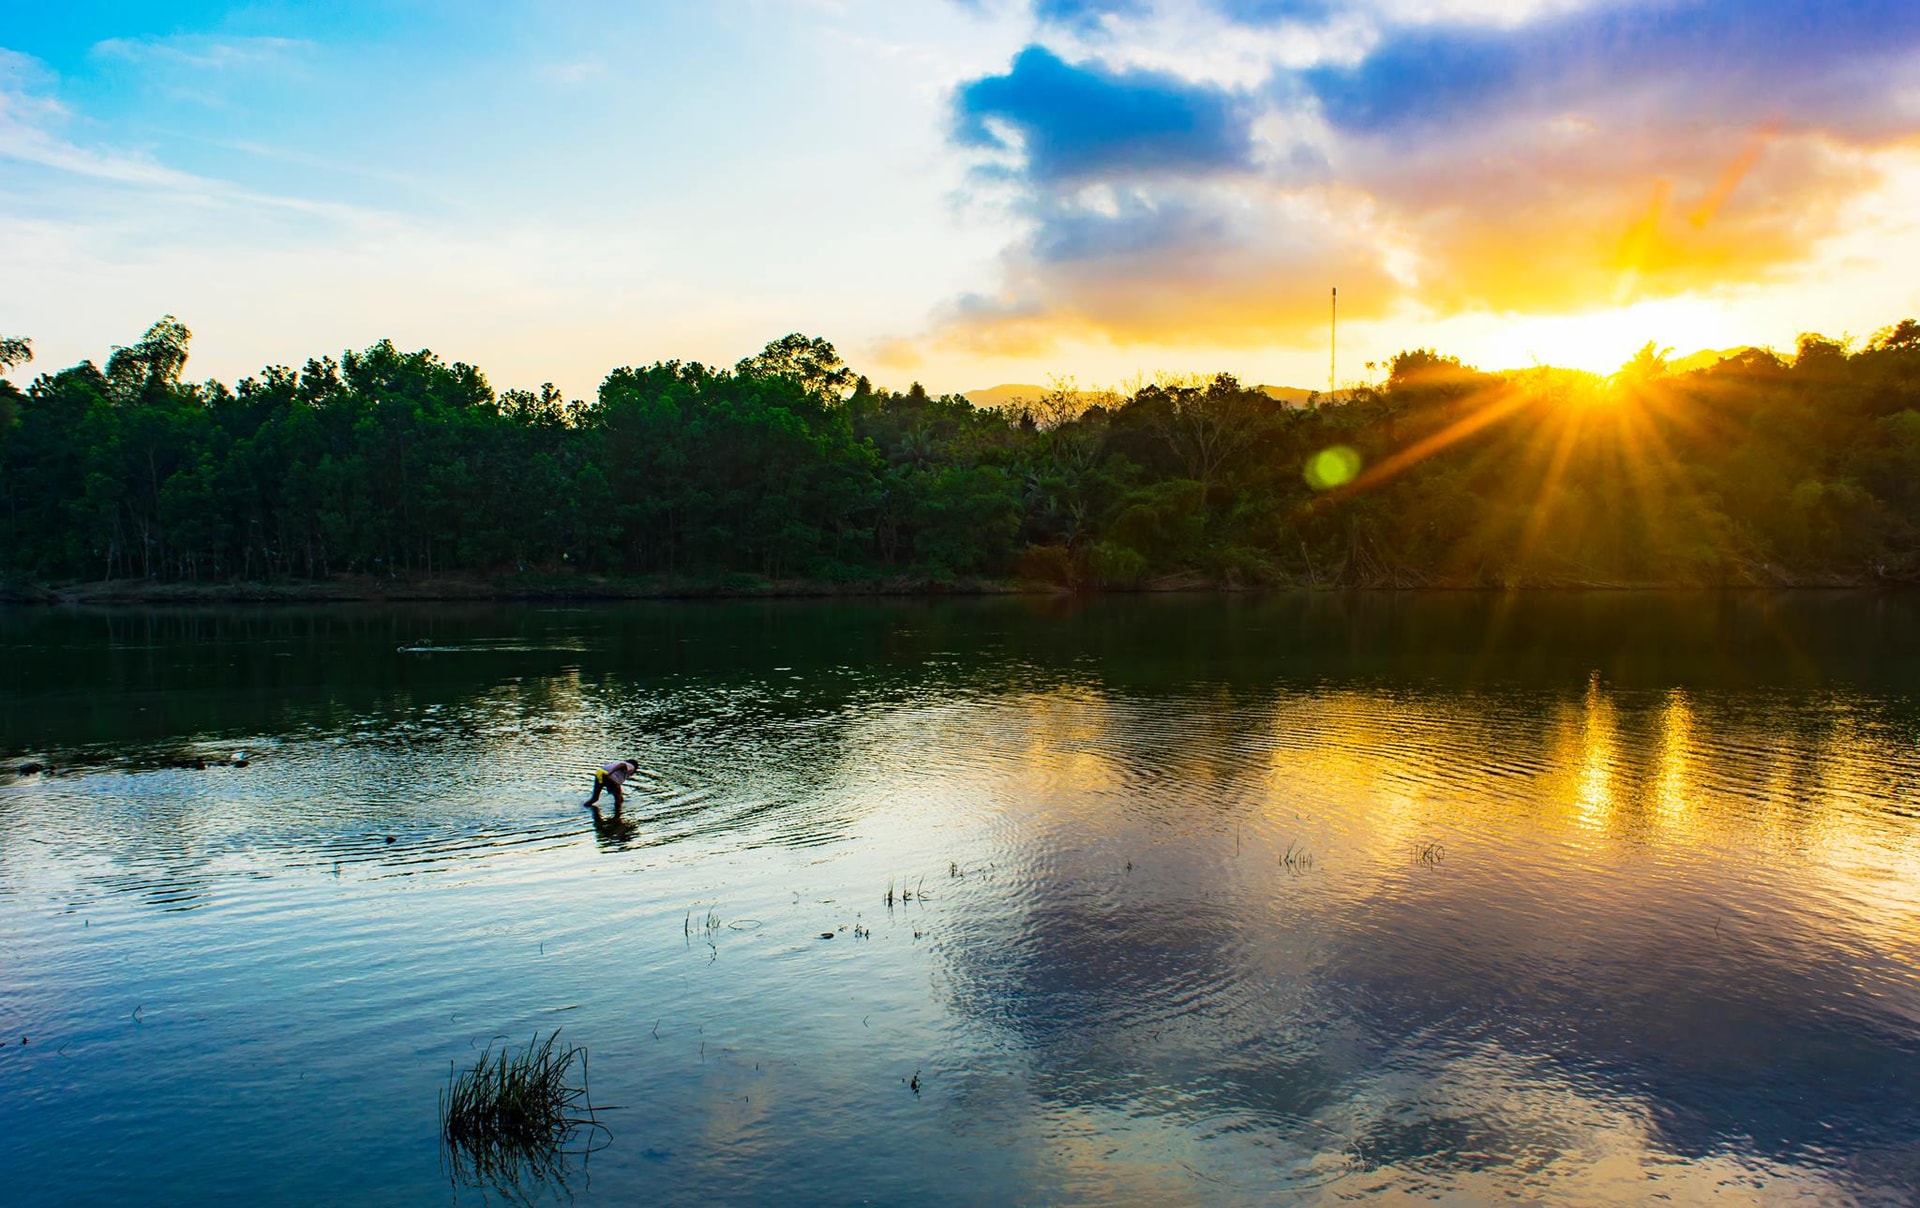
<point x="1706" y="358"/>
<point x="1292" y="396"/>
<point x="1000" y="396"/>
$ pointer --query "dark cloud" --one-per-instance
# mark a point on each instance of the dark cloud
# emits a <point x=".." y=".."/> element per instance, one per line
<point x="1082" y="123"/>
<point x="1417" y="80"/>
<point x="1810" y="61"/>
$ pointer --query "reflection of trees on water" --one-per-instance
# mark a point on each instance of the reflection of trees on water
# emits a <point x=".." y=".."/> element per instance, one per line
<point x="1611" y="946"/>
<point x="174" y="867"/>
<point x="81" y="678"/>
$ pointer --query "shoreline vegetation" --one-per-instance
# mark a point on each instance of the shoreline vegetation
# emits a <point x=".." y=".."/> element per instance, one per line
<point x="346" y="589"/>
<point x="387" y="475"/>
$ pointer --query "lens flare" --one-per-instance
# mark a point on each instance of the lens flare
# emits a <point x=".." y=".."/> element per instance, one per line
<point x="1330" y="468"/>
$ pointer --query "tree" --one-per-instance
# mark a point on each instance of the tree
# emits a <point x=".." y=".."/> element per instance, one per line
<point x="1205" y="427"/>
<point x="811" y="362"/>
<point x="1901" y="337"/>
<point x="386" y="462"/>
<point x="14" y="350"/>
<point x="1646" y="365"/>
<point x="152" y="364"/>
<point x="1423" y="367"/>
<point x="1818" y="353"/>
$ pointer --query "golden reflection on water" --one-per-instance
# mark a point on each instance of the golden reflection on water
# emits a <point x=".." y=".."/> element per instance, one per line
<point x="1366" y="777"/>
<point x="1674" y="791"/>
<point x="1065" y="736"/>
<point x="1599" y="745"/>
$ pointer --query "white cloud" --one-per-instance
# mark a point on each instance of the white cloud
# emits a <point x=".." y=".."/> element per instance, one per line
<point x="205" y="53"/>
<point x="1195" y="40"/>
<point x="1192" y="40"/>
<point x="31" y="133"/>
<point x="571" y="72"/>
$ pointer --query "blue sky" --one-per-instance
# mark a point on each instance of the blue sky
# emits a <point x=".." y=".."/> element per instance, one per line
<point x="961" y="191"/>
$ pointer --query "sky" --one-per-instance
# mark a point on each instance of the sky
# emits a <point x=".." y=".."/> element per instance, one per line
<point x="959" y="192"/>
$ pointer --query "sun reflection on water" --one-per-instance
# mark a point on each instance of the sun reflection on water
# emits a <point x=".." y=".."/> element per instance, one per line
<point x="1599" y="744"/>
<point x="1674" y="790"/>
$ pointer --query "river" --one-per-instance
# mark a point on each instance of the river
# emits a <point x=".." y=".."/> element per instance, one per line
<point x="1195" y="899"/>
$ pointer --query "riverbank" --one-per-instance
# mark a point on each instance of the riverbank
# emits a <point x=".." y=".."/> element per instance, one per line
<point x="345" y="589"/>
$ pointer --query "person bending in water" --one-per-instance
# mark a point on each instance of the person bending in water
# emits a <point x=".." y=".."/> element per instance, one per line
<point x="609" y="779"/>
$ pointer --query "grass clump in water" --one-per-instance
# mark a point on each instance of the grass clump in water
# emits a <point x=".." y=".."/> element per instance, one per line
<point x="516" y="1111"/>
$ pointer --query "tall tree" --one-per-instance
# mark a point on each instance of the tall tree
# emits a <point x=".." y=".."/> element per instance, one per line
<point x="138" y="371"/>
<point x="14" y="351"/>
<point x="810" y="361"/>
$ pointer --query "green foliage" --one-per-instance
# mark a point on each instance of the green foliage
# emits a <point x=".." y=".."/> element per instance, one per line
<point x="1162" y="522"/>
<point x="1053" y="565"/>
<point x="147" y="369"/>
<point x="1116" y="565"/>
<point x="391" y="463"/>
<point x="812" y="363"/>
<point x="14" y="352"/>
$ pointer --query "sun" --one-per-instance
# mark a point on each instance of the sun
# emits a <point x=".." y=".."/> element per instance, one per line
<point x="1601" y="341"/>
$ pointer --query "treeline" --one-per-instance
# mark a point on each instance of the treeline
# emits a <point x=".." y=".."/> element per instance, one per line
<point x="1760" y="469"/>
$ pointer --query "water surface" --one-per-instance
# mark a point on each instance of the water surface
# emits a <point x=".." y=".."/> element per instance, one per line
<point x="1583" y="898"/>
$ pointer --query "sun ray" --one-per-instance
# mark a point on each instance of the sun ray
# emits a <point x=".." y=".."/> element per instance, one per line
<point x="1507" y="401"/>
<point x="1641" y="240"/>
<point x="1559" y="456"/>
<point x="1735" y="173"/>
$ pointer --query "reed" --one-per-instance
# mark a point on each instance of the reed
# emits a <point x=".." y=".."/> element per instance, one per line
<point x="516" y="1108"/>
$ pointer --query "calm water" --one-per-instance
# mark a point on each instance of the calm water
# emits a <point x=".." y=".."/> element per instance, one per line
<point x="1214" y="901"/>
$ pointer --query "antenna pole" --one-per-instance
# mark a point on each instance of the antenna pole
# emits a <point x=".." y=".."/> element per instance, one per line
<point x="1333" y="343"/>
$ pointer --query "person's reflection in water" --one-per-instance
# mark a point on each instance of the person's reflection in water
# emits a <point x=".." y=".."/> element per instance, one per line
<point x="612" y="830"/>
